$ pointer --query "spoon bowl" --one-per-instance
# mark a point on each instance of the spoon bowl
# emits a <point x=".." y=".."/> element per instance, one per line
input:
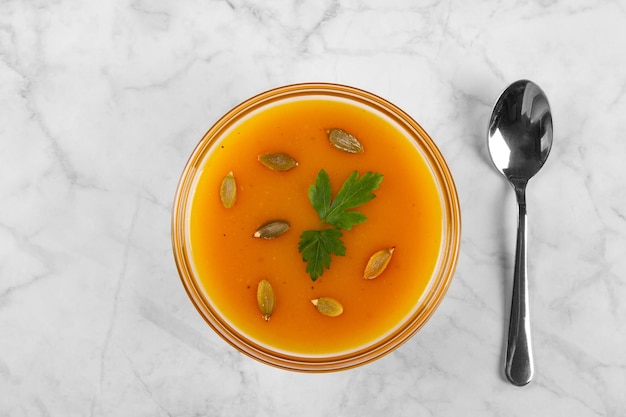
<point x="520" y="131"/>
<point x="519" y="140"/>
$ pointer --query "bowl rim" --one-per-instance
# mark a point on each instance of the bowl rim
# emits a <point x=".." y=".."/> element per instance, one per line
<point x="442" y="275"/>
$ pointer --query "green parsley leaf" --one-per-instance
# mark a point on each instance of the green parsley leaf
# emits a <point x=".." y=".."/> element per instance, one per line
<point x="316" y="247"/>
<point x="320" y="194"/>
<point x="354" y="192"/>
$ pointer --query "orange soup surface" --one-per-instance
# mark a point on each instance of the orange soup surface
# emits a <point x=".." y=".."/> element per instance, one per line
<point x="405" y="214"/>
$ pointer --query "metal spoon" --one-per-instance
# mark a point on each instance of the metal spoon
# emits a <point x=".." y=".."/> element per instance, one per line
<point x="520" y="138"/>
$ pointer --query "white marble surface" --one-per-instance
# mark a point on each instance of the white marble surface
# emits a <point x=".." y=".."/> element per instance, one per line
<point x="101" y="102"/>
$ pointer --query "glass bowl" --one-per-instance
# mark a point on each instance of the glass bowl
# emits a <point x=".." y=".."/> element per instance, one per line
<point x="198" y="283"/>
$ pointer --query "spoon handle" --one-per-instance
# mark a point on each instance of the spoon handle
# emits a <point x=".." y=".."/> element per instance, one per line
<point x="519" y="366"/>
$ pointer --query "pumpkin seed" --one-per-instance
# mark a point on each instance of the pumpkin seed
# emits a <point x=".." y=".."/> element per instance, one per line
<point x="277" y="161"/>
<point x="344" y="141"/>
<point x="271" y="230"/>
<point x="228" y="190"/>
<point x="265" y="298"/>
<point x="328" y="306"/>
<point x="378" y="263"/>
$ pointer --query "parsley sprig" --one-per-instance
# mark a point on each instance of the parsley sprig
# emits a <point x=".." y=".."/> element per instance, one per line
<point x="317" y="246"/>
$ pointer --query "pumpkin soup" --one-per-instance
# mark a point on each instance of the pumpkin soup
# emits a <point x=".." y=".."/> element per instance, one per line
<point x="235" y="192"/>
